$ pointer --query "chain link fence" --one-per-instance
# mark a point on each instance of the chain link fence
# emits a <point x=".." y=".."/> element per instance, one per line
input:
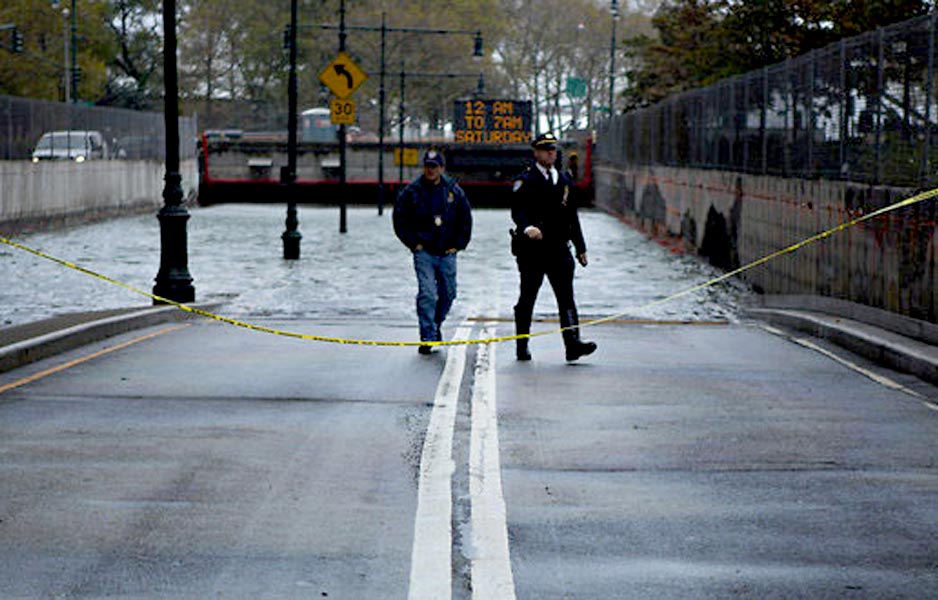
<point x="126" y="134"/>
<point x="862" y="110"/>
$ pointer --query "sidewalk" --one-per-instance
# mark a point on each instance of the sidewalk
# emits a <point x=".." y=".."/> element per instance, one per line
<point x="891" y="340"/>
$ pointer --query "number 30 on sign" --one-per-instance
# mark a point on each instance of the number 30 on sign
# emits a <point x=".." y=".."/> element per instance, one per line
<point x="342" y="112"/>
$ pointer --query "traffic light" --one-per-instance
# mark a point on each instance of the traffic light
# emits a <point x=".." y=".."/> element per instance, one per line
<point x="17" y="44"/>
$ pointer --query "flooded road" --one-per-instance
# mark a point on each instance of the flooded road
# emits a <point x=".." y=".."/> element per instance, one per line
<point x="235" y="256"/>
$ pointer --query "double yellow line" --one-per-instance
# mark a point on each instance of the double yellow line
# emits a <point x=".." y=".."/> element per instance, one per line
<point x="359" y="342"/>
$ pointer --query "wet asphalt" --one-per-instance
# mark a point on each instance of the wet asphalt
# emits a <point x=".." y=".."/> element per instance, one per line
<point x="200" y="460"/>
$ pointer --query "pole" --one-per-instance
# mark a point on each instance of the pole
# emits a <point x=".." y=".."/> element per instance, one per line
<point x="343" y="227"/>
<point x="291" y="237"/>
<point x="381" y="99"/>
<point x="66" y="77"/>
<point x="400" y="133"/>
<point x="173" y="280"/>
<point x="75" y="49"/>
<point x="612" y="57"/>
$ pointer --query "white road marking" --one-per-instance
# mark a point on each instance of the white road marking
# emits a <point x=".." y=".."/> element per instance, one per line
<point x="431" y="557"/>
<point x="490" y="561"/>
<point x="880" y="379"/>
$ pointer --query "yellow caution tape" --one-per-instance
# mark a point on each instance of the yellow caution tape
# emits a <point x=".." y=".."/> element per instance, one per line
<point x="336" y="340"/>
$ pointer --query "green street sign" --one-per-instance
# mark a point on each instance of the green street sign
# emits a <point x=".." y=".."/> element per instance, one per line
<point x="576" y="87"/>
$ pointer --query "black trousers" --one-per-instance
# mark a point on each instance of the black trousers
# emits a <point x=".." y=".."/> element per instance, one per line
<point x="558" y="266"/>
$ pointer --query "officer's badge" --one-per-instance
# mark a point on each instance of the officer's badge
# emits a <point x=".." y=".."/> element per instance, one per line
<point x="438" y="220"/>
<point x="451" y="198"/>
<point x="566" y="193"/>
<point x="517" y="185"/>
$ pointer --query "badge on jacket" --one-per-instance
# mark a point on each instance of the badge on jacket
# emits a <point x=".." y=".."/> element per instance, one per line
<point x="438" y="220"/>
<point x="451" y="198"/>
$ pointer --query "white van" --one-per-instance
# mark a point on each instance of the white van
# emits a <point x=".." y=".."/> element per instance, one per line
<point x="74" y="145"/>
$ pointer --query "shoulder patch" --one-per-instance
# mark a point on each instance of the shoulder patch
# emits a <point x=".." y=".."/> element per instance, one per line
<point x="517" y="185"/>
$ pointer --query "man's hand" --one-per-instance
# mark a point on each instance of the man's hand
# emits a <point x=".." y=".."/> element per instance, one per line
<point x="582" y="258"/>
<point x="418" y="247"/>
<point x="534" y="233"/>
<point x="451" y="251"/>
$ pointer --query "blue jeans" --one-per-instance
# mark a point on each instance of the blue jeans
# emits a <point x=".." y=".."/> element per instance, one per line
<point x="436" y="290"/>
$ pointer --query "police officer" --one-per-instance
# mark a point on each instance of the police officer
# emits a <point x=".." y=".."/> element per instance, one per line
<point x="546" y="222"/>
<point x="432" y="217"/>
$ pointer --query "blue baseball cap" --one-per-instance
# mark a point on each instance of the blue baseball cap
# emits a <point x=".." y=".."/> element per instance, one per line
<point x="432" y="157"/>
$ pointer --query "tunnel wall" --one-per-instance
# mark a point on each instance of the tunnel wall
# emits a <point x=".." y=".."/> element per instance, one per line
<point x="37" y="195"/>
<point x="733" y="219"/>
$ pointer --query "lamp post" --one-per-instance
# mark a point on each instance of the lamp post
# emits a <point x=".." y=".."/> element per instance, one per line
<point x="614" y="8"/>
<point x="173" y="280"/>
<point x="343" y="224"/>
<point x="74" y="28"/>
<point x="291" y="236"/>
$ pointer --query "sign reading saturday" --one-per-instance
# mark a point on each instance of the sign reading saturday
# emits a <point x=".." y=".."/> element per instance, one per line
<point x="492" y="121"/>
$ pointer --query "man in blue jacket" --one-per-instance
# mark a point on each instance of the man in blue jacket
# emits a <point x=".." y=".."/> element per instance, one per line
<point x="432" y="217"/>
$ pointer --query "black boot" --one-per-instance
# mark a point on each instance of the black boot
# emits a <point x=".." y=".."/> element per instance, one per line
<point x="522" y="326"/>
<point x="571" y="337"/>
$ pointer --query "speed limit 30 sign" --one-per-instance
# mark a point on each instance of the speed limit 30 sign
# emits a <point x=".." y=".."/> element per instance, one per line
<point x="342" y="111"/>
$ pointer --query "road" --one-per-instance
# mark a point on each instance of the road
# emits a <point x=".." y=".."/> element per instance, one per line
<point x="712" y="460"/>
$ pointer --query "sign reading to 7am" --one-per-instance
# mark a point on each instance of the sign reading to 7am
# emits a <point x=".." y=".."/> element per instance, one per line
<point x="492" y="121"/>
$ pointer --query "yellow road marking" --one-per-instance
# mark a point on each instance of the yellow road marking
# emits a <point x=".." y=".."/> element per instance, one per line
<point x="78" y="361"/>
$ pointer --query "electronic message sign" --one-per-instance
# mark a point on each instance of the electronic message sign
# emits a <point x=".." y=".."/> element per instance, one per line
<point x="492" y="121"/>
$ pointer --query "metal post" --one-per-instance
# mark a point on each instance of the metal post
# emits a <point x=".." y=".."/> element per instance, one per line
<point x="762" y="119"/>
<point x="75" y="50"/>
<point x="291" y="237"/>
<point x="381" y="100"/>
<point x="343" y="165"/>
<point x="923" y="176"/>
<point x="173" y="280"/>
<point x="400" y="133"/>
<point x="612" y="57"/>
<point x="811" y="117"/>
<point x="845" y="99"/>
<point x="66" y="75"/>
<point x="879" y="106"/>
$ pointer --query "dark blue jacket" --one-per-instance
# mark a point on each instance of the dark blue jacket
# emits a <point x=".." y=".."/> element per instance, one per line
<point x="415" y="213"/>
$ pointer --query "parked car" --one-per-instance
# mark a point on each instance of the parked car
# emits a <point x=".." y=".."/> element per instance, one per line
<point x="74" y="145"/>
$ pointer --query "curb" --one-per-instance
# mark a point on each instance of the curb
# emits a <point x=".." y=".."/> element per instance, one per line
<point x="883" y="347"/>
<point x="43" y="346"/>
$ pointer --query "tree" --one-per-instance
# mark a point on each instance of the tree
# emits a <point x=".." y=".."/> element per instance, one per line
<point x="39" y="71"/>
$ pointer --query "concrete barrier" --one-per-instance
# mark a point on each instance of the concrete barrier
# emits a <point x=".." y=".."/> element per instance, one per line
<point x="731" y="218"/>
<point x="36" y="195"/>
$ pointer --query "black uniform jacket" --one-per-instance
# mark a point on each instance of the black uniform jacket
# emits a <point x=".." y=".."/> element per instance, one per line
<point x="417" y="209"/>
<point x="549" y="207"/>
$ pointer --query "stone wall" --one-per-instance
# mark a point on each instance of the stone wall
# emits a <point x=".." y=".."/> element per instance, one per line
<point x="735" y="218"/>
<point x="37" y="195"/>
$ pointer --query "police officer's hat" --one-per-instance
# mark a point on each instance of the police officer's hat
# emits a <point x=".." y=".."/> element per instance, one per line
<point x="545" y="141"/>
<point x="432" y="157"/>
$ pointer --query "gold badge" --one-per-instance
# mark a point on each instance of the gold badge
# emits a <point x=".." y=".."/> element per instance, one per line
<point x="451" y="198"/>
<point x="437" y="220"/>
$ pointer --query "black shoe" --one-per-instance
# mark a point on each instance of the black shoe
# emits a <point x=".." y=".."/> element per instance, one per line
<point x="578" y="349"/>
<point x="521" y="350"/>
<point x="425" y="350"/>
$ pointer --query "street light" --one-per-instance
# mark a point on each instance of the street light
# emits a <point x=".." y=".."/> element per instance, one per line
<point x="173" y="281"/>
<point x="614" y="8"/>
<point x="291" y="236"/>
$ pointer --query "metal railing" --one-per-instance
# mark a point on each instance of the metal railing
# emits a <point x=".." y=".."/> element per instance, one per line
<point x="862" y="109"/>
<point x="128" y="134"/>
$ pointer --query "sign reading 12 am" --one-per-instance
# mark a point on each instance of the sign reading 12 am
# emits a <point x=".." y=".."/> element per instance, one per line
<point x="492" y="121"/>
